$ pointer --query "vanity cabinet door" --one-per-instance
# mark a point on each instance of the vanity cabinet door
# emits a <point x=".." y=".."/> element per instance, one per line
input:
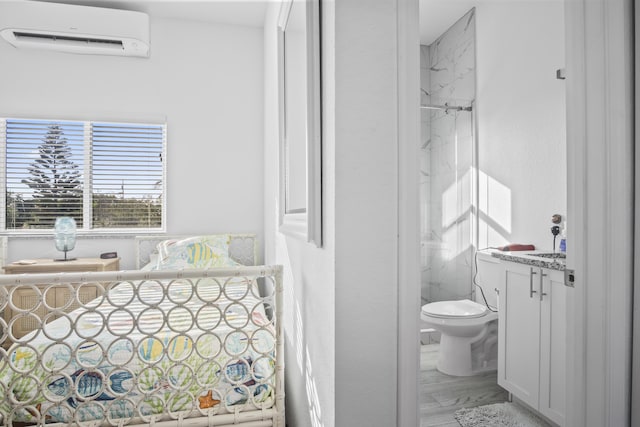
<point x="519" y="332"/>
<point x="489" y="275"/>
<point x="553" y="346"/>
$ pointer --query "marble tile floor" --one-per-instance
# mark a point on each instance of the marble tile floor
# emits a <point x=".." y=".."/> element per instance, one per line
<point x="441" y="395"/>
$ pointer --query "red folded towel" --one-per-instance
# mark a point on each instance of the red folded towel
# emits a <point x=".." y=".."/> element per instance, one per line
<point x="517" y="247"/>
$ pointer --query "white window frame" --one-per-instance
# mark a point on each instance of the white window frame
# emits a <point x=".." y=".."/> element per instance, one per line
<point x="87" y="210"/>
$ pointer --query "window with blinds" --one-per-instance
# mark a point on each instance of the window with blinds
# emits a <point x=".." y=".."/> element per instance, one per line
<point x="105" y="175"/>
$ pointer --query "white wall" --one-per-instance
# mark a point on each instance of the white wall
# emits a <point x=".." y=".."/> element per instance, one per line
<point x="341" y="300"/>
<point x="520" y="120"/>
<point x="366" y="215"/>
<point x="205" y="80"/>
<point x="308" y="271"/>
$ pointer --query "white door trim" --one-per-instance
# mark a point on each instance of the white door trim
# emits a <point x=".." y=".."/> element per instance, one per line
<point x="635" y="375"/>
<point x="408" y="78"/>
<point x="600" y="210"/>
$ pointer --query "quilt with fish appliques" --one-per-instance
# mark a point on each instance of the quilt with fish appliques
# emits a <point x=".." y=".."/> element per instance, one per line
<point x="144" y="350"/>
<point x="195" y="252"/>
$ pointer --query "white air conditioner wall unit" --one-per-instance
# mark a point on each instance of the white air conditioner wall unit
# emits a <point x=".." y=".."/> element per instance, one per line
<point x="74" y="29"/>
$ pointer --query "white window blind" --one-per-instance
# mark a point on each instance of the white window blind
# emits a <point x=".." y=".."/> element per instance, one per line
<point x="105" y="175"/>
<point x="127" y="175"/>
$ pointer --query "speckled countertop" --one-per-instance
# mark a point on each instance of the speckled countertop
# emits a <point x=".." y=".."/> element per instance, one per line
<point x="532" y="258"/>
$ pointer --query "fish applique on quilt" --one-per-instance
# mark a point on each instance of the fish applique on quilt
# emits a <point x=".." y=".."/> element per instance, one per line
<point x="240" y="371"/>
<point x="88" y="385"/>
<point x="198" y="253"/>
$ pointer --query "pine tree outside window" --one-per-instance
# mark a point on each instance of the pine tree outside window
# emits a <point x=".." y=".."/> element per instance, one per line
<point x="107" y="176"/>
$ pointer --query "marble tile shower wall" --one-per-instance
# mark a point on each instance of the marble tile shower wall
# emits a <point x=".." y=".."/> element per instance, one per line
<point x="446" y="158"/>
<point x="425" y="172"/>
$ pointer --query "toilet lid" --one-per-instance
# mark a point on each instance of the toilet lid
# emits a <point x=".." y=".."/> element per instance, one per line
<point x="462" y="308"/>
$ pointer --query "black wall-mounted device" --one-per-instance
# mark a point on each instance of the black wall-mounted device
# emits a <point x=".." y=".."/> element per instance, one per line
<point x="109" y="255"/>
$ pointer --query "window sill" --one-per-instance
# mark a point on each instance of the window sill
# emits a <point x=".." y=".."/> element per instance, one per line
<point x="83" y="234"/>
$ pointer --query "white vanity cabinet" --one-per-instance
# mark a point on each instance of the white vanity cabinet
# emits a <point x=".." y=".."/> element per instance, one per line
<point x="532" y="337"/>
<point x="490" y="272"/>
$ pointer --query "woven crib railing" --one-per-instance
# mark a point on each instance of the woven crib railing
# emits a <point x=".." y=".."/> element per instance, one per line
<point x="179" y="348"/>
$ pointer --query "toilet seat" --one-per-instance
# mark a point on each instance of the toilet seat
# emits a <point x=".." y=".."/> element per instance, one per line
<point x="463" y="309"/>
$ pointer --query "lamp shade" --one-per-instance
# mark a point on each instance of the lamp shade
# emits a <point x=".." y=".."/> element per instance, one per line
<point x="65" y="233"/>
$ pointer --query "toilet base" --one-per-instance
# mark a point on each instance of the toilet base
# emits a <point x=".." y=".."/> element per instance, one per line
<point x="456" y="355"/>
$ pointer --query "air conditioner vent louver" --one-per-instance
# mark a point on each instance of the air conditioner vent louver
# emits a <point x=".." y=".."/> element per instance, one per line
<point x="56" y="37"/>
<point x="74" y="29"/>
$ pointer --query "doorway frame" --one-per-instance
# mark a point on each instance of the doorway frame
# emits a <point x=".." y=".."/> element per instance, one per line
<point x="408" y="81"/>
<point x="599" y="70"/>
<point x="600" y="208"/>
<point x="635" y="370"/>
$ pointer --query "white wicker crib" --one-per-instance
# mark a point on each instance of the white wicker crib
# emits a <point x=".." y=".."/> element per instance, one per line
<point x="184" y="347"/>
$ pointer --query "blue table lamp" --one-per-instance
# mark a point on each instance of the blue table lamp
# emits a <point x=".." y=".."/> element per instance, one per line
<point x="65" y="235"/>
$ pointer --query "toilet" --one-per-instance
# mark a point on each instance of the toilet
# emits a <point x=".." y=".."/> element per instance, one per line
<point x="469" y="336"/>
